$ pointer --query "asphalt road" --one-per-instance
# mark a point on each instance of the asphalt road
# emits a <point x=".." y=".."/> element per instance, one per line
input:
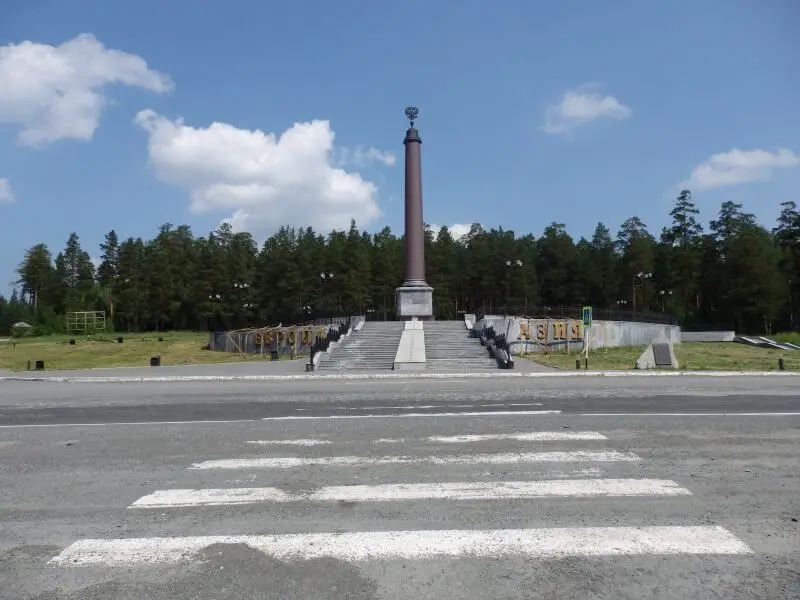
<point x="609" y="488"/>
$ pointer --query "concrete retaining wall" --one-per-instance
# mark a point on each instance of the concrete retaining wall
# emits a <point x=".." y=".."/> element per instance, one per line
<point x="560" y="335"/>
<point x="708" y="336"/>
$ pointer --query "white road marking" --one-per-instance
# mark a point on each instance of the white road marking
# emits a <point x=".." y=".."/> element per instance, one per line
<point x="306" y="442"/>
<point x="534" y="436"/>
<point x="291" y="462"/>
<point x="377" y="545"/>
<point x="499" y="413"/>
<point x="401" y="407"/>
<point x="576" y="488"/>
<point x="212" y="497"/>
<point x="524" y="403"/>
<point x="719" y="414"/>
<point x="124" y="423"/>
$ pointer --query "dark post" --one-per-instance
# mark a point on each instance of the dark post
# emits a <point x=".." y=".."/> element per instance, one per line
<point x="415" y="296"/>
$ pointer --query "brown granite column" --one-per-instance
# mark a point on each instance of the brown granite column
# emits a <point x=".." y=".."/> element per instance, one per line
<point x="415" y="232"/>
<point x="415" y="296"/>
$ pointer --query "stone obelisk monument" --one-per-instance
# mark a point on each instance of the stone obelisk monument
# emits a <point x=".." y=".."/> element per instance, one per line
<point x="415" y="296"/>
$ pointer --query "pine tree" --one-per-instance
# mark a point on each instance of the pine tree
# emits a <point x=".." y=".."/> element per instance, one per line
<point x="37" y="276"/>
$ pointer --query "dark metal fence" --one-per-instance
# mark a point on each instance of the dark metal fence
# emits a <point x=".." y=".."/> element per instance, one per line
<point x="279" y="342"/>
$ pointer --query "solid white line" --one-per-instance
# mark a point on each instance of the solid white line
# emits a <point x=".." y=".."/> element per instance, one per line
<point x="308" y="442"/>
<point x="534" y="436"/>
<point x="575" y="488"/>
<point x="499" y="413"/>
<point x="717" y="414"/>
<point x="525" y="404"/>
<point x="401" y="376"/>
<point x="115" y="424"/>
<point x="376" y="545"/>
<point x="463" y="459"/>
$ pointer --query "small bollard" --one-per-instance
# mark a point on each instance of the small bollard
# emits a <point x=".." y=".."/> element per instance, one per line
<point x="29" y="365"/>
<point x="781" y="365"/>
<point x="155" y="361"/>
<point x="586" y="363"/>
<point x="578" y="364"/>
<point x="40" y="365"/>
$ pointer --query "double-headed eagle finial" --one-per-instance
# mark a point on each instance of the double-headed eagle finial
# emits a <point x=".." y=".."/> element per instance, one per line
<point x="411" y="114"/>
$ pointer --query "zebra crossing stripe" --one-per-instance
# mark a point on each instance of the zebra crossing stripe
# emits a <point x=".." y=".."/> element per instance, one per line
<point x="533" y="436"/>
<point x="291" y="462"/>
<point x="576" y="488"/>
<point x="377" y="545"/>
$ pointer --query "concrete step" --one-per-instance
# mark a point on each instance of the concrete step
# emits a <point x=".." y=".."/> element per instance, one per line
<point x="449" y="348"/>
<point x="371" y="349"/>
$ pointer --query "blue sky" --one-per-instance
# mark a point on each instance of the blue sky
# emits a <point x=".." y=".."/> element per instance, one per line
<point x="530" y="112"/>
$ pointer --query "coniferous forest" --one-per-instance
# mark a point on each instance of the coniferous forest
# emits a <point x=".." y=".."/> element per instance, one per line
<point x="738" y="274"/>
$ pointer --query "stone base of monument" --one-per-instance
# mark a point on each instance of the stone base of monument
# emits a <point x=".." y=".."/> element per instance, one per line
<point x="658" y="355"/>
<point x="414" y="301"/>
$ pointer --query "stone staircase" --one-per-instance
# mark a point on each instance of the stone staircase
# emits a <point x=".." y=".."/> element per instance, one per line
<point x="450" y="349"/>
<point x="371" y="349"/>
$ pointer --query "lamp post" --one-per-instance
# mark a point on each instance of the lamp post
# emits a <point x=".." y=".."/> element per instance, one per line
<point x="641" y="276"/>
<point x="510" y="264"/>
<point x="241" y="288"/>
<point x="215" y="299"/>
<point x="325" y="276"/>
<point x="664" y="294"/>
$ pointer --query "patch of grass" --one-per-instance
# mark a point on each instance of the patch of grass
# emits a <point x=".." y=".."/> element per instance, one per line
<point x="178" y="348"/>
<point x="792" y="337"/>
<point x="728" y="356"/>
<point x="611" y="359"/>
<point x="692" y="356"/>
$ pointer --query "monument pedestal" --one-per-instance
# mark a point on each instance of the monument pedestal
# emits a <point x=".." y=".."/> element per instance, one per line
<point x="414" y="301"/>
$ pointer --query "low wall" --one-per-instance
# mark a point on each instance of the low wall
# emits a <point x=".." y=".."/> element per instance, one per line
<point x="708" y="336"/>
<point x="564" y="335"/>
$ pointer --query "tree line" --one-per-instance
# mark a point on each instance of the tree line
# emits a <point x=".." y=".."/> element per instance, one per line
<point x="738" y="275"/>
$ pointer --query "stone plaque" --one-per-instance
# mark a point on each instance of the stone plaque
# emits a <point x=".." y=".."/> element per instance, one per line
<point x="662" y="355"/>
<point x="415" y="301"/>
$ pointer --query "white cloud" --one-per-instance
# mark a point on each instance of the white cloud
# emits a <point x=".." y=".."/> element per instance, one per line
<point x="58" y="92"/>
<point x="263" y="180"/>
<point x="739" y="166"/>
<point x="6" y="193"/>
<point x="361" y="156"/>
<point x="457" y="230"/>
<point x="580" y="107"/>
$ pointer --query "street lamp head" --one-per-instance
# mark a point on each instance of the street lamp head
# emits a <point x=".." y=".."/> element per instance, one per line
<point x="519" y="263"/>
